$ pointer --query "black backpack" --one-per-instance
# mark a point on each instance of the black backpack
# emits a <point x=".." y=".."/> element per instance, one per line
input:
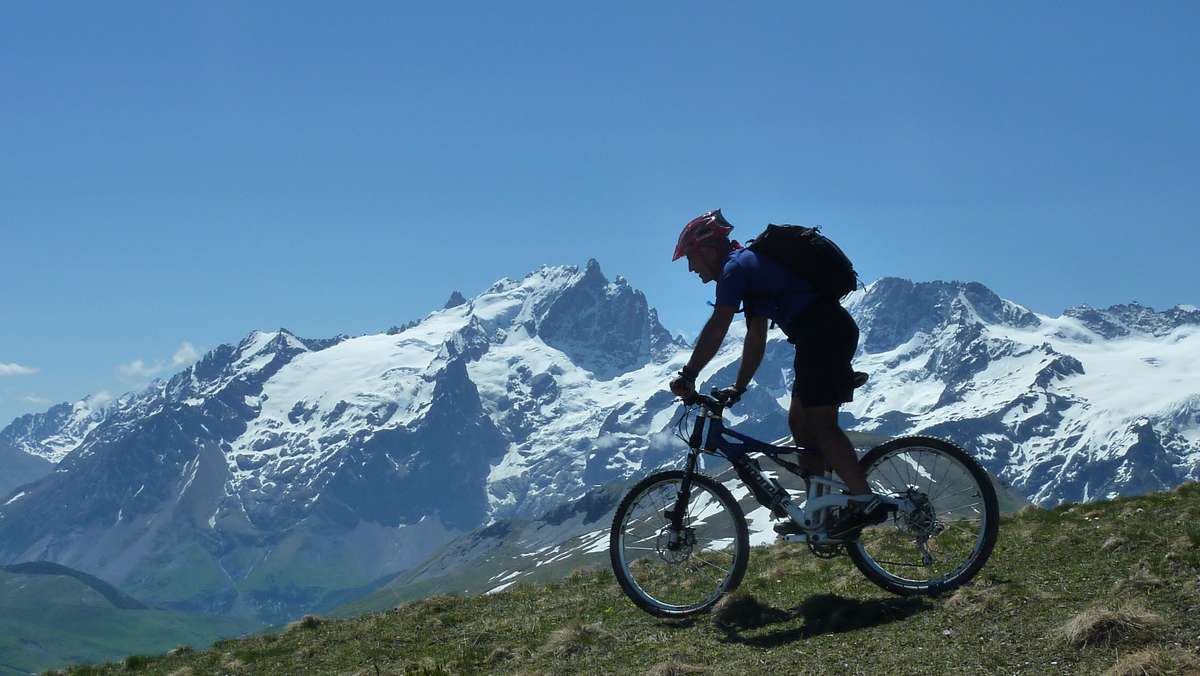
<point x="810" y="255"/>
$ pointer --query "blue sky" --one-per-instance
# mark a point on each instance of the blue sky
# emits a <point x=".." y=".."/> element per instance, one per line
<point x="174" y="175"/>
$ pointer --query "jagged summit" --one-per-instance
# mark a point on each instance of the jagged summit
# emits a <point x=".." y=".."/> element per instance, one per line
<point x="456" y="299"/>
<point x="1134" y="319"/>
<point x="892" y="310"/>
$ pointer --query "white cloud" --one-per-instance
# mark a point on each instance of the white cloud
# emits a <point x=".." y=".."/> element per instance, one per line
<point x="139" y="370"/>
<point x="186" y="354"/>
<point x="16" y="370"/>
<point x="34" y="399"/>
<point x="100" y="398"/>
<point x="142" y="370"/>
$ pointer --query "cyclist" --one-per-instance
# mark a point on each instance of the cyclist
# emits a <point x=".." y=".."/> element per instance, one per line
<point x="825" y="337"/>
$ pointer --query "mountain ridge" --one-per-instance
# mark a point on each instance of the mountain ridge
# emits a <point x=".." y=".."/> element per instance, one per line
<point x="218" y="488"/>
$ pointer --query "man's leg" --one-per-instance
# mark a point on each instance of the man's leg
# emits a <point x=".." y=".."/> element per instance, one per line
<point x="813" y="461"/>
<point x="818" y="427"/>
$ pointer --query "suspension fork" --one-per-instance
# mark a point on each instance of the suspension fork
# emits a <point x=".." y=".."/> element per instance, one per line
<point x="679" y="509"/>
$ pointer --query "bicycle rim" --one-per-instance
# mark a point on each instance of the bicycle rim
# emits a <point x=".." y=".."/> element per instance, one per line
<point x="943" y="541"/>
<point x="693" y="576"/>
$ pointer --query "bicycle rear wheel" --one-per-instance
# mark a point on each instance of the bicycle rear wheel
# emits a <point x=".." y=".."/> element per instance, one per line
<point x="947" y="537"/>
<point x="691" y="578"/>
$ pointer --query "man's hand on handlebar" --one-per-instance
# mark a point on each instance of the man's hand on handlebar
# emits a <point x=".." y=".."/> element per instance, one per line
<point x="730" y="395"/>
<point x="683" y="387"/>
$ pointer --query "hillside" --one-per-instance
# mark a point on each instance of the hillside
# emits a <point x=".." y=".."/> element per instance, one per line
<point x="574" y="535"/>
<point x="1075" y="589"/>
<point x="51" y="615"/>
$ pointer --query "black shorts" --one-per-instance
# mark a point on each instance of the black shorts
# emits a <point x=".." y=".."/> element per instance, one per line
<point x="826" y="338"/>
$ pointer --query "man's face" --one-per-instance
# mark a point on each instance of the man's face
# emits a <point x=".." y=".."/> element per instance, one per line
<point x="703" y="262"/>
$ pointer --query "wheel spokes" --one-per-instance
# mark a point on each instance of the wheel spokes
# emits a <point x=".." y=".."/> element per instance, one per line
<point x="691" y="574"/>
<point x="941" y="536"/>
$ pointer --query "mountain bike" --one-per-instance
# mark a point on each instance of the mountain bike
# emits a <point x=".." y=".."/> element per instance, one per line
<point x="679" y="538"/>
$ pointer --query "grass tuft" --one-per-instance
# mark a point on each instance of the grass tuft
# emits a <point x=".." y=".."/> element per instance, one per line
<point x="1100" y="625"/>
<point x="575" y="638"/>
<point x="976" y="598"/>
<point x="1140" y="580"/>
<point x="309" y="621"/>
<point x="1114" y="543"/>
<point x="1155" y="661"/>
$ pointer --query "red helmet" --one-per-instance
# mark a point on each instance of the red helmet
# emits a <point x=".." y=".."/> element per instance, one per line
<point x="701" y="230"/>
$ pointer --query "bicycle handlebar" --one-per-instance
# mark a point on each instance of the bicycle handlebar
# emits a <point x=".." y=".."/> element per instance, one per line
<point x="710" y="402"/>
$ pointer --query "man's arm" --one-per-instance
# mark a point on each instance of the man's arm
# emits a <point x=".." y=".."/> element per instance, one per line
<point x="710" y="339"/>
<point x="752" y="350"/>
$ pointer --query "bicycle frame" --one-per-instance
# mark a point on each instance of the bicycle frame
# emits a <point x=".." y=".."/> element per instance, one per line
<point x="709" y="435"/>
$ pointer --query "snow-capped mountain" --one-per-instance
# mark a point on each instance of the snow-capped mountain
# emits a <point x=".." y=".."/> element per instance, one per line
<point x="32" y="444"/>
<point x="275" y="472"/>
<point x="282" y="474"/>
<point x="1092" y="404"/>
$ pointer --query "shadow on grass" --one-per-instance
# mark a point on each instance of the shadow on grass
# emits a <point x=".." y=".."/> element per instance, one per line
<point x="823" y="614"/>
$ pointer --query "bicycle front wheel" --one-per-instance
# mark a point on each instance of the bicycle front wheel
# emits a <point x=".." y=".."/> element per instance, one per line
<point x="946" y="536"/>
<point x="708" y="560"/>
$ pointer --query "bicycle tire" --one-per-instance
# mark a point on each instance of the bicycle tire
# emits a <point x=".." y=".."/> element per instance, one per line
<point x="621" y="563"/>
<point x="989" y="515"/>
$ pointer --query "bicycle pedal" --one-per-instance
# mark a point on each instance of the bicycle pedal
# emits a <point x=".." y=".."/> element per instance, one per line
<point x="801" y="538"/>
<point x="787" y="528"/>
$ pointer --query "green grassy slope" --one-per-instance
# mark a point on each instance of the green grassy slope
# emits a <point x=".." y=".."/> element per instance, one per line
<point x="444" y="573"/>
<point x="51" y="620"/>
<point x="1078" y="589"/>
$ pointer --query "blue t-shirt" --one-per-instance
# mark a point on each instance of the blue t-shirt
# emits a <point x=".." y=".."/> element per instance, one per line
<point x="767" y="288"/>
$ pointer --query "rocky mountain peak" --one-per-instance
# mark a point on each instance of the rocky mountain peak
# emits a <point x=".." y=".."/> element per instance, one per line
<point x="891" y="310"/>
<point x="606" y="327"/>
<point x="1133" y="318"/>
<point x="456" y="299"/>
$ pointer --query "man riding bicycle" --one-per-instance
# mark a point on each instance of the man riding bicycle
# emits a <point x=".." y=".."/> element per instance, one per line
<point x="825" y="337"/>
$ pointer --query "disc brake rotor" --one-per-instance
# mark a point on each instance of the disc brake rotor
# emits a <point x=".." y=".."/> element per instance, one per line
<point x="683" y="548"/>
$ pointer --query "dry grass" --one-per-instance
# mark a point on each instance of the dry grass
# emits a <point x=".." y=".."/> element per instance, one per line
<point x="1155" y="661"/>
<point x="976" y="598"/>
<point x="575" y="638"/>
<point x="1140" y="579"/>
<point x="1101" y="626"/>
<point x="1114" y="543"/>
<point x="675" y="669"/>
